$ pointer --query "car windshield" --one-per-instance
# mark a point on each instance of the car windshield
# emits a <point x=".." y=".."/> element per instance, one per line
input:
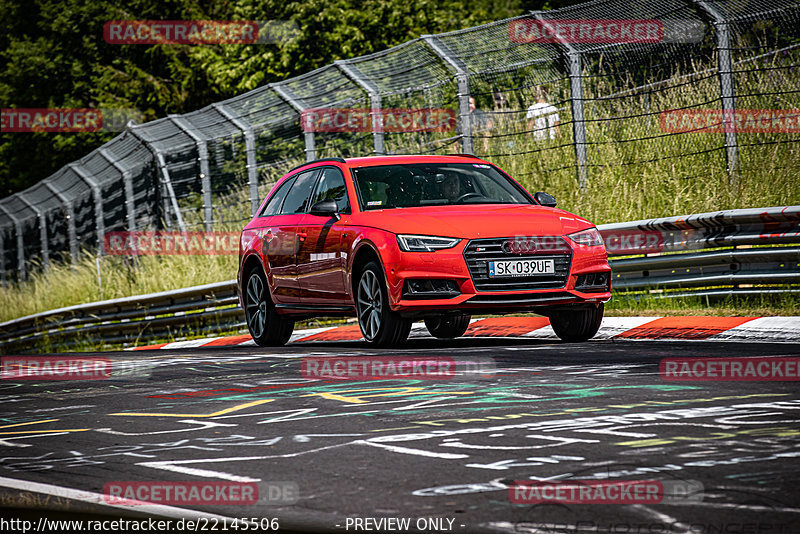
<point x="432" y="184"/>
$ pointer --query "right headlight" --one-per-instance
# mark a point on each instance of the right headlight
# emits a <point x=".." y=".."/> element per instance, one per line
<point x="425" y="243"/>
<point x="587" y="238"/>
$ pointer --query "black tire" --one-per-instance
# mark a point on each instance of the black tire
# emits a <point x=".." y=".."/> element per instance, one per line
<point x="265" y="325"/>
<point x="448" y="326"/>
<point x="380" y="326"/>
<point x="577" y="325"/>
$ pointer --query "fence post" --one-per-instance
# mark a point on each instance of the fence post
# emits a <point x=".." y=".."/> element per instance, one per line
<point x="578" y="117"/>
<point x="72" y="236"/>
<point x="3" y="257"/>
<point x="462" y="77"/>
<point x="352" y="72"/>
<point x="727" y="85"/>
<point x="20" y="243"/>
<point x="162" y="162"/>
<point x="575" y="66"/>
<point x="100" y="223"/>
<point x="205" y="172"/>
<point x="165" y="179"/>
<point x="127" y="182"/>
<point x="250" y="149"/>
<point x="293" y="100"/>
<point x="42" y="230"/>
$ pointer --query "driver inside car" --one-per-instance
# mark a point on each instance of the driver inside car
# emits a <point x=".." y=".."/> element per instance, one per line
<point x="451" y="187"/>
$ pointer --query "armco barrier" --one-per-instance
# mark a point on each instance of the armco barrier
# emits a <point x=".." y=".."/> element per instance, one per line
<point x="719" y="254"/>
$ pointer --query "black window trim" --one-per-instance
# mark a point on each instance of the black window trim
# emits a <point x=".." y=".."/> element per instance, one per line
<point x="319" y="178"/>
<point x="275" y="192"/>
<point x="511" y="181"/>
<point x="313" y="188"/>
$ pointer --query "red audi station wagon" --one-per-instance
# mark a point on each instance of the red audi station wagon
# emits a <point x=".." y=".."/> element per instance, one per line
<point x="393" y="239"/>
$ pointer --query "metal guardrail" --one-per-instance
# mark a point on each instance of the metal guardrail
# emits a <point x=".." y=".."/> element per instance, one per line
<point x="711" y="255"/>
<point x="667" y="256"/>
<point x="209" y="308"/>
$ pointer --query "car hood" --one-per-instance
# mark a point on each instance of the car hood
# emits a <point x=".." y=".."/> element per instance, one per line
<point x="474" y="221"/>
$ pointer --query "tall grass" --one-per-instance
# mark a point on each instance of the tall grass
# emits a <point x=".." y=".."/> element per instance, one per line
<point x="66" y="285"/>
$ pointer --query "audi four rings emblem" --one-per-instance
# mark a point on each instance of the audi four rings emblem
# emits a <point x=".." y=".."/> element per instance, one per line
<point x="519" y="246"/>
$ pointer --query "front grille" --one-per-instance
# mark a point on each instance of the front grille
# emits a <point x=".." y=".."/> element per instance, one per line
<point x="479" y="252"/>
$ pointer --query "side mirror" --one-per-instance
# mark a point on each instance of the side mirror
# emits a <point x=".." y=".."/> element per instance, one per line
<point x="544" y="199"/>
<point x="326" y="208"/>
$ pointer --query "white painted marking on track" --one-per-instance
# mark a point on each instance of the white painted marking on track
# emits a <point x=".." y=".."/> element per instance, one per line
<point x="189" y="343"/>
<point x="415" y="452"/>
<point x="175" y="467"/>
<point x="204" y="425"/>
<point x="7" y="441"/>
<point x="763" y="329"/>
<point x="613" y="326"/>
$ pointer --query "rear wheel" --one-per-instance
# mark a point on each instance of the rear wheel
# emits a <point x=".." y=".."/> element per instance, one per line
<point x="379" y="325"/>
<point x="265" y="325"/>
<point x="448" y="326"/>
<point x="577" y="325"/>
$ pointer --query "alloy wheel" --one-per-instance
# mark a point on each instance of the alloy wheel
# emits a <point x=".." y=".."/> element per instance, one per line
<point x="370" y="304"/>
<point x="256" y="308"/>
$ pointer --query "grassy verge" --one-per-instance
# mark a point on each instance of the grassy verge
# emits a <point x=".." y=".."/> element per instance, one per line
<point x="760" y="306"/>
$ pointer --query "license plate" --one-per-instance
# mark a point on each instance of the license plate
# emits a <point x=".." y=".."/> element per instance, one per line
<point x="521" y="267"/>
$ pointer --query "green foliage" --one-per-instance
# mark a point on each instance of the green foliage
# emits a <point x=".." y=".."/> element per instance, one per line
<point x="52" y="54"/>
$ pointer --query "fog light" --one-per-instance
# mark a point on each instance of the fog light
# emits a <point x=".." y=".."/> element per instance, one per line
<point x="430" y="288"/>
<point x="593" y="282"/>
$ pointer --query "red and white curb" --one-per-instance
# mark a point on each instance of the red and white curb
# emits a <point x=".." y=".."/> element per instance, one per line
<point x="774" y="329"/>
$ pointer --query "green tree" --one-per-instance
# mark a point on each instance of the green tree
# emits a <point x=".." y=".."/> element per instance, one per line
<point x="52" y="54"/>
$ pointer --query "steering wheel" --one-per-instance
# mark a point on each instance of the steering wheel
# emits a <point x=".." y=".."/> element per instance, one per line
<point x="466" y="196"/>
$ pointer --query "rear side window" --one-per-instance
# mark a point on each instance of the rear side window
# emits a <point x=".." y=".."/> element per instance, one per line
<point x="331" y="186"/>
<point x="297" y="200"/>
<point x="273" y="207"/>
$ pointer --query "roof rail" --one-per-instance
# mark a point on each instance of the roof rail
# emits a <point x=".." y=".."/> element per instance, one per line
<point x="465" y="155"/>
<point x="340" y="160"/>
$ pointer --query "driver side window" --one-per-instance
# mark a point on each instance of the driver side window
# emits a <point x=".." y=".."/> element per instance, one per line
<point x="331" y="186"/>
<point x="297" y="200"/>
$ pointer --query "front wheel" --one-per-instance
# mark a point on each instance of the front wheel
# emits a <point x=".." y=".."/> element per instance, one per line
<point x="577" y="325"/>
<point x="448" y="327"/>
<point x="265" y="325"/>
<point x="379" y="325"/>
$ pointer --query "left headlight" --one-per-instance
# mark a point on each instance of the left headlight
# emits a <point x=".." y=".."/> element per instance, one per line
<point x="425" y="243"/>
<point x="587" y="238"/>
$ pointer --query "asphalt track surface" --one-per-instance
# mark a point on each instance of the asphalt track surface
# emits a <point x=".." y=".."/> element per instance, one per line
<point x="447" y="448"/>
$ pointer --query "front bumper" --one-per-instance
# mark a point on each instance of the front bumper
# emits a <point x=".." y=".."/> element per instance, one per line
<point x="451" y="265"/>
